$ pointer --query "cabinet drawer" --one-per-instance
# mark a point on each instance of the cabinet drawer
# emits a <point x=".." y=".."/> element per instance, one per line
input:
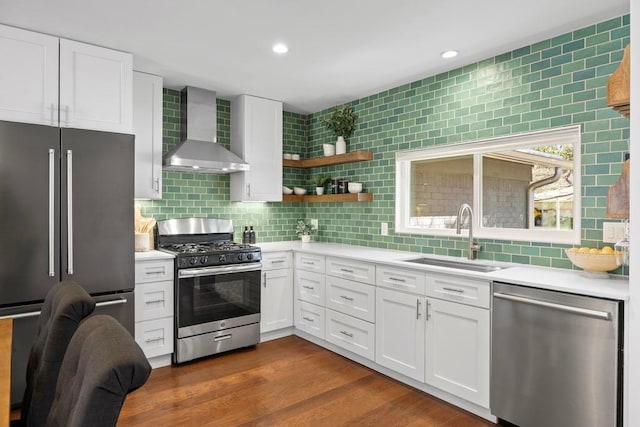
<point x="310" y="287"/>
<point x="458" y="289"/>
<point x="351" y="334"/>
<point x="402" y="279"/>
<point x="274" y="260"/>
<point x="154" y="270"/>
<point x="153" y="300"/>
<point x="155" y="337"/>
<point x="310" y="318"/>
<point x="352" y="298"/>
<point x="352" y="270"/>
<point x="310" y="262"/>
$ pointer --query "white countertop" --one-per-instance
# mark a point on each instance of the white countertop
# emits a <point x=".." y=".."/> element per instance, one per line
<point x="558" y="279"/>
<point x="150" y="255"/>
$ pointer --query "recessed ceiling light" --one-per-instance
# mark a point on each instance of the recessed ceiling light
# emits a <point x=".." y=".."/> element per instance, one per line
<point x="280" y="48"/>
<point x="449" y="54"/>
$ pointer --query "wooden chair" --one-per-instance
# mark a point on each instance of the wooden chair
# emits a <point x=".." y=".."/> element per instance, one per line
<point x="65" y="305"/>
<point x="102" y="365"/>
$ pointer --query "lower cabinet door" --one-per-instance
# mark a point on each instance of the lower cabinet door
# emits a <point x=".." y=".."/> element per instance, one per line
<point x="351" y="334"/>
<point x="400" y="332"/>
<point x="458" y="348"/>
<point x="310" y="318"/>
<point x="155" y="337"/>
<point x="276" y="300"/>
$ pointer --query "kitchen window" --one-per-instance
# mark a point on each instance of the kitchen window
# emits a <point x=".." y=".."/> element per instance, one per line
<point x="521" y="187"/>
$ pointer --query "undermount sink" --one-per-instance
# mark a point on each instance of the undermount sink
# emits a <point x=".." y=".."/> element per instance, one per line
<point x="483" y="268"/>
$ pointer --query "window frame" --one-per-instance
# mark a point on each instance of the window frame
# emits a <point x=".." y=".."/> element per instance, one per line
<point x="476" y="148"/>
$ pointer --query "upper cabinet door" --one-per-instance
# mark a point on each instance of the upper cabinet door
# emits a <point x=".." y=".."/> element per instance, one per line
<point x="256" y="136"/>
<point x="96" y="88"/>
<point x="29" y="80"/>
<point x="147" y="127"/>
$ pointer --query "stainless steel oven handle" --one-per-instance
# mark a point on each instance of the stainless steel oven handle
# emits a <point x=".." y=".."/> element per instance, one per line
<point x="603" y="315"/>
<point x="212" y="271"/>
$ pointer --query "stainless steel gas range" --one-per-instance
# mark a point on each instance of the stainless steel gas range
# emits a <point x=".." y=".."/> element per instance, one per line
<point x="217" y="287"/>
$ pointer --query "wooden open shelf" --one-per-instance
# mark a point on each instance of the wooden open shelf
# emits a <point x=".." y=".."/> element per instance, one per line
<point x="349" y="197"/>
<point x="338" y="159"/>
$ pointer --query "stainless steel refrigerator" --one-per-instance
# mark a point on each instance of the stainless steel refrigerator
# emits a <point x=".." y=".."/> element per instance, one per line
<point x="66" y="212"/>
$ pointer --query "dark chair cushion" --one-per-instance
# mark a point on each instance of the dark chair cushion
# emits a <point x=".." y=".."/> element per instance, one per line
<point x="65" y="305"/>
<point x="103" y="363"/>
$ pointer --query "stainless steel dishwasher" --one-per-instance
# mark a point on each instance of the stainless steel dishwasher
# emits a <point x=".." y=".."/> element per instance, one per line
<point x="556" y="358"/>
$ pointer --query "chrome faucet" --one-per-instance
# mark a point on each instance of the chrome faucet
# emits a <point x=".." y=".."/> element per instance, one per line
<point x="473" y="247"/>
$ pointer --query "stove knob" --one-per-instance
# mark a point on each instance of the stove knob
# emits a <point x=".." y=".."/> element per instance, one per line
<point x="204" y="259"/>
<point x="193" y="261"/>
<point x="249" y="256"/>
<point x="222" y="258"/>
<point x="240" y="257"/>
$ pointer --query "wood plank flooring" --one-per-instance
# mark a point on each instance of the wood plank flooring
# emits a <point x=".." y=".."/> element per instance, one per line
<point x="285" y="382"/>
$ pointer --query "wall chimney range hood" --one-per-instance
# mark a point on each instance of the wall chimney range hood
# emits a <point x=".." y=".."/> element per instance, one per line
<point x="197" y="150"/>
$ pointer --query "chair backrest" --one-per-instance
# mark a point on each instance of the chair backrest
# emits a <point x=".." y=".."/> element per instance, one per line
<point x="103" y="363"/>
<point x="65" y="305"/>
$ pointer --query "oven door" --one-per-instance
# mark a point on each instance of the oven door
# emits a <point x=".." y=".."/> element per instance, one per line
<point x="216" y="298"/>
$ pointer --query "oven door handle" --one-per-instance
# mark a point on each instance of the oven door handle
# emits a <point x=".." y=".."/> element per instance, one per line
<point x="212" y="271"/>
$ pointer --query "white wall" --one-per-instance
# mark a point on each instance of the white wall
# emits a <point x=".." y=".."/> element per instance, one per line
<point x="633" y="347"/>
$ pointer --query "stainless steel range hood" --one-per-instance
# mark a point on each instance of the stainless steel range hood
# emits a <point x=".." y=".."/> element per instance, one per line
<point x="197" y="150"/>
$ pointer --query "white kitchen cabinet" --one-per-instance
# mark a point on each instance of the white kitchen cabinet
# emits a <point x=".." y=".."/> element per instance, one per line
<point x="352" y="270"/>
<point x="401" y="279"/>
<point x="154" y="309"/>
<point x="459" y="289"/>
<point x="59" y="82"/>
<point x="355" y="335"/>
<point x="458" y="350"/>
<point x="349" y="297"/>
<point x="400" y="332"/>
<point x="29" y="82"/>
<point x="310" y="287"/>
<point x="147" y="127"/>
<point x="96" y="87"/>
<point x="276" y="301"/>
<point x="310" y="318"/>
<point x="256" y="136"/>
<point x="310" y="262"/>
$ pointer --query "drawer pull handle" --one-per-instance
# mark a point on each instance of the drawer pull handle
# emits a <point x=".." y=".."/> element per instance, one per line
<point x="308" y="319"/>
<point x="460" y="291"/>
<point x="346" y="270"/>
<point x="155" y="271"/>
<point x="346" y="297"/>
<point x="308" y="287"/>
<point x="350" y="335"/>
<point x="395" y="279"/>
<point x="308" y="263"/>
<point x="222" y="337"/>
<point x="154" y="301"/>
<point x="149" y="340"/>
<point x="277" y="261"/>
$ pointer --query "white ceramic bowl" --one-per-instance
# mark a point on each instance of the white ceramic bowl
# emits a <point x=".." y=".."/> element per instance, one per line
<point x="286" y="190"/>
<point x="286" y="156"/>
<point x="354" y="187"/>
<point x="300" y="191"/>
<point x="593" y="262"/>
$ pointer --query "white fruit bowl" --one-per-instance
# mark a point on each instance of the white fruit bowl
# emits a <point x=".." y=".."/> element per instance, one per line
<point x="593" y="263"/>
<point x="354" y="187"/>
<point x="300" y="191"/>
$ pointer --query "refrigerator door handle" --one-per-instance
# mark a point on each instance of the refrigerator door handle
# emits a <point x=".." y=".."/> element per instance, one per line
<point x="70" y="212"/>
<point x="52" y="195"/>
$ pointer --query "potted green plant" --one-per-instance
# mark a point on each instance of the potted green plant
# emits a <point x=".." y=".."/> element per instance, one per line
<point x="342" y="122"/>
<point x="320" y="181"/>
<point x="304" y="229"/>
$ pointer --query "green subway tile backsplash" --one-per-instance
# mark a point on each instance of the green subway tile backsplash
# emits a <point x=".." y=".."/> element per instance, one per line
<point x="556" y="82"/>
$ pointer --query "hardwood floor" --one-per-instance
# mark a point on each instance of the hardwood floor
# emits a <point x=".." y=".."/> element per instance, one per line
<point x="285" y="382"/>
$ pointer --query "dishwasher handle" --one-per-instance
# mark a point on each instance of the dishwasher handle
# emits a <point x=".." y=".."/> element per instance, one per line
<point x="603" y="315"/>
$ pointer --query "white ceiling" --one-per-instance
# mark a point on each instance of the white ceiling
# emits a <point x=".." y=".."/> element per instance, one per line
<point x="340" y="50"/>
